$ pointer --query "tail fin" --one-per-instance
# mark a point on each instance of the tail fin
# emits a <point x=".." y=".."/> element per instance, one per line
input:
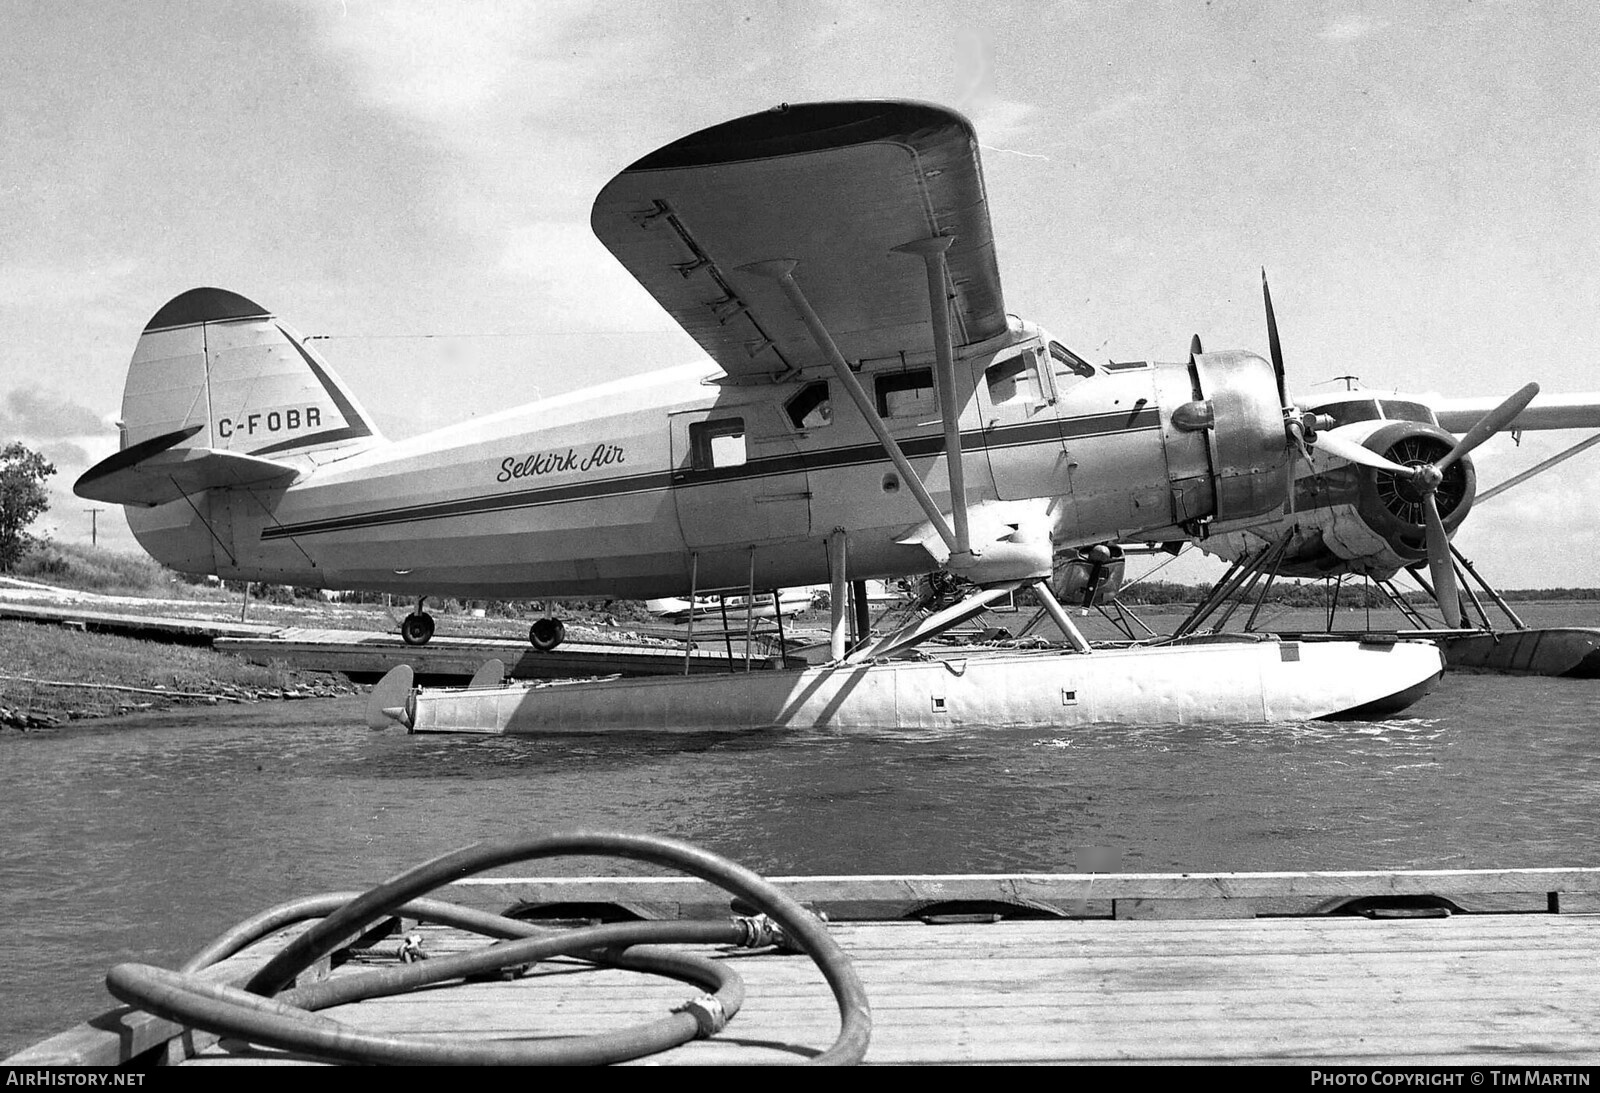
<point x="219" y="392"/>
<point x="217" y="360"/>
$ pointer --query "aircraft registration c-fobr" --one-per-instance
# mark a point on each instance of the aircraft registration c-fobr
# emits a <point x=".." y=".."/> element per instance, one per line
<point x="869" y="408"/>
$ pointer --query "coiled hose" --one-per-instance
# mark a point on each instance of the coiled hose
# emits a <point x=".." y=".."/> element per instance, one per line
<point x="265" y="1013"/>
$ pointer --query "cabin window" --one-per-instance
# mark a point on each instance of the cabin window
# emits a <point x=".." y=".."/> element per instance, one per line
<point x="718" y="443"/>
<point x="1015" y="380"/>
<point x="810" y="408"/>
<point x="1398" y="410"/>
<point x="907" y="394"/>
<point x="1064" y="362"/>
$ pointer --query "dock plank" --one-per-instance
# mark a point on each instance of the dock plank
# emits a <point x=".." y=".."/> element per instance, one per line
<point x="1467" y="989"/>
<point x="1483" y="989"/>
<point x="174" y="628"/>
<point x="1074" y="894"/>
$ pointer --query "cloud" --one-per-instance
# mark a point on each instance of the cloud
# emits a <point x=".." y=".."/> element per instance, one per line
<point x="451" y="73"/>
<point x="1349" y="28"/>
<point x="23" y="285"/>
<point x="65" y="454"/>
<point x="43" y="415"/>
<point x="1004" y="125"/>
<point x="568" y="269"/>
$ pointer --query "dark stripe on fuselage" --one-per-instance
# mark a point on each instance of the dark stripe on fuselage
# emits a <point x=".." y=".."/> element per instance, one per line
<point x="1013" y="436"/>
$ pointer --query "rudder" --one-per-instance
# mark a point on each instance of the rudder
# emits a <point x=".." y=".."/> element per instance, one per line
<point x="214" y="359"/>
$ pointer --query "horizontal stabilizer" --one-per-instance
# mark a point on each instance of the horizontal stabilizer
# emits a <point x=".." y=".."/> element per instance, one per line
<point x="156" y="471"/>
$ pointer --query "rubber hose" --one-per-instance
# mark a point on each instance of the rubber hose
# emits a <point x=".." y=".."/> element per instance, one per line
<point x="278" y="1022"/>
<point x="208" y="1004"/>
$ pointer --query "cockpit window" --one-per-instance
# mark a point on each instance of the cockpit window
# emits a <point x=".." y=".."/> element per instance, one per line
<point x="1396" y="410"/>
<point x="1014" y="380"/>
<point x="1347" y="413"/>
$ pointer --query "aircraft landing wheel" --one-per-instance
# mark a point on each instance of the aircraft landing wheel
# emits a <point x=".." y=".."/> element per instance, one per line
<point x="545" y="634"/>
<point x="416" y="629"/>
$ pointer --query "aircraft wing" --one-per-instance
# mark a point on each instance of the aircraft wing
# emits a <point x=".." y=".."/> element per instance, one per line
<point x="156" y="471"/>
<point x="835" y="187"/>
<point x="1545" y="412"/>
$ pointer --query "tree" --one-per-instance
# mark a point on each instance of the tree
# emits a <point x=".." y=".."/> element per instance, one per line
<point x="22" y="498"/>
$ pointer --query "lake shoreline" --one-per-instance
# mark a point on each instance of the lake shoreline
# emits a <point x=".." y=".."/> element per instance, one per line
<point x="52" y="676"/>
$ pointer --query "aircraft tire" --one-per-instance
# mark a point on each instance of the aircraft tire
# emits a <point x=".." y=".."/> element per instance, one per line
<point x="416" y="629"/>
<point x="546" y="633"/>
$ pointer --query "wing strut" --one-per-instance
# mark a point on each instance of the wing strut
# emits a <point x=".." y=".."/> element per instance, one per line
<point x="932" y="252"/>
<point x="1560" y="457"/>
<point x="781" y="270"/>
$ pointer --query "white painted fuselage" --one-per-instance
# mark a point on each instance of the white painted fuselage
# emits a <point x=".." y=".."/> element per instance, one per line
<point x="663" y="483"/>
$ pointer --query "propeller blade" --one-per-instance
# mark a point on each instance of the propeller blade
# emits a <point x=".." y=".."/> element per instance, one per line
<point x="1273" y="347"/>
<point x="1351" y="452"/>
<point x="1489" y="424"/>
<point x="1439" y="564"/>
<point x="1194" y="348"/>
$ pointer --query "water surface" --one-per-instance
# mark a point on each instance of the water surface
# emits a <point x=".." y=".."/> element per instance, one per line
<point x="142" y="838"/>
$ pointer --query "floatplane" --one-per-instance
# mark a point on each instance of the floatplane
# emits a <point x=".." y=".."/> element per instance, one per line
<point x="870" y="410"/>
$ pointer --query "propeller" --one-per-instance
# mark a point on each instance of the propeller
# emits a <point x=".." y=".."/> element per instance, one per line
<point x="1273" y="346"/>
<point x="1426" y="478"/>
<point x="1296" y="428"/>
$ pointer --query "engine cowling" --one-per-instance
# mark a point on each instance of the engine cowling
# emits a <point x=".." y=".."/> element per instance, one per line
<point x="1392" y="505"/>
<point x="1239" y="471"/>
<point x="1354" y="519"/>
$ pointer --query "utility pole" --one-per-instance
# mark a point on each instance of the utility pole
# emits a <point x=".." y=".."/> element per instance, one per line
<point x="94" y="525"/>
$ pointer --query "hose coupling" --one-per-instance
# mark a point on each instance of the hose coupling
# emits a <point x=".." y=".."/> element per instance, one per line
<point x="707" y="1012"/>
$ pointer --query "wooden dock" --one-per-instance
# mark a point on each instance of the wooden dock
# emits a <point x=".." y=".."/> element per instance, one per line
<point x="364" y="654"/>
<point x="368" y="654"/>
<point x="129" y="624"/>
<point x="1097" y="968"/>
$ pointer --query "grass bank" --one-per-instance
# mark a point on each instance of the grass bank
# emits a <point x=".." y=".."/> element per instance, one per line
<point x="50" y="675"/>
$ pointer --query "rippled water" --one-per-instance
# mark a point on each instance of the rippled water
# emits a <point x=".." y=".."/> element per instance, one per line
<point x="142" y="838"/>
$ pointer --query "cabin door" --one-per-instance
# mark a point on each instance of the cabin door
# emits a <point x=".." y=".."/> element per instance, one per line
<point x="737" y="478"/>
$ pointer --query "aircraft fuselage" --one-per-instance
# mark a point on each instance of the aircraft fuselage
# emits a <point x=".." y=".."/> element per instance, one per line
<point x="667" y="482"/>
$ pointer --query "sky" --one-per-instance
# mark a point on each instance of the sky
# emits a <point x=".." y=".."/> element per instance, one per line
<point x="412" y="180"/>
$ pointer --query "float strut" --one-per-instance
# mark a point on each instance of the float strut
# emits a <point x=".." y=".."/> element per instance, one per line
<point x="1059" y="616"/>
<point x="837" y="587"/>
<point x="858" y="600"/>
<point x="694" y="586"/>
